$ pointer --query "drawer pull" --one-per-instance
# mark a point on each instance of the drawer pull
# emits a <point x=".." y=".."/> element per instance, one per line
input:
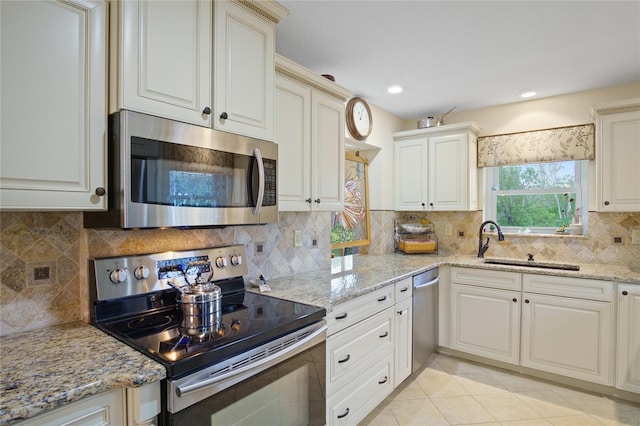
<point x="342" y="416"/>
<point x="341" y="316"/>
<point x="383" y="381"/>
<point x="386" y="333"/>
<point x="402" y="290"/>
<point x="382" y="299"/>
<point x="400" y="312"/>
<point x="340" y="361"/>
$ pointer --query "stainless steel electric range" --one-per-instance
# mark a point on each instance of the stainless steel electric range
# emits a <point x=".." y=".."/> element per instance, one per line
<point x="255" y="359"/>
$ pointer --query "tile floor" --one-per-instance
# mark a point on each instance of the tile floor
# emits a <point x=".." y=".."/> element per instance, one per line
<point x="452" y="391"/>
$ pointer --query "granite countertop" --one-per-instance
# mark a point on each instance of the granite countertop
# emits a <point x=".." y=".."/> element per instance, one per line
<point x="48" y="368"/>
<point x="371" y="272"/>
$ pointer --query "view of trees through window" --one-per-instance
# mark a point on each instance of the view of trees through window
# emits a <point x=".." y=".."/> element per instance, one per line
<point x="541" y="195"/>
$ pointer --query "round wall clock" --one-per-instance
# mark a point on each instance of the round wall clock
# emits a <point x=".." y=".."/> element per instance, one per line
<point x="359" y="119"/>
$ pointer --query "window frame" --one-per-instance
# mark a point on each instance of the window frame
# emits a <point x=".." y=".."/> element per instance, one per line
<point x="490" y="199"/>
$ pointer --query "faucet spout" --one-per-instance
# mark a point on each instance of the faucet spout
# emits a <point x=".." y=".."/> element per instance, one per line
<point x="483" y="248"/>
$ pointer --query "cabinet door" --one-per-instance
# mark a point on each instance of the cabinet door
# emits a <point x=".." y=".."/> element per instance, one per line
<point x="53" y="86"/>
<point x="403" y="326"/>
<point x="104" y="409"/>
<point x="566" y="336"/>
<point x="410" y="183"/>
<point x="628" y="374"/>
<point x="166" y="58"/>
<point x="293" y="134"/>
<point x="244" y="72"/>
<point x="485" y="322"/>
<point x="452" y="173"/>
<point x="617" y="162"/>
<point x="327" y="152"/>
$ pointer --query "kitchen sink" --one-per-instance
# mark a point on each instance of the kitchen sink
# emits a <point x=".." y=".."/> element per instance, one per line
<point x="534" y="264"/>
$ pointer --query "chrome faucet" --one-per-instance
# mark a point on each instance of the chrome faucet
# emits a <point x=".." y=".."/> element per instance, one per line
<point x="483" y="248"/>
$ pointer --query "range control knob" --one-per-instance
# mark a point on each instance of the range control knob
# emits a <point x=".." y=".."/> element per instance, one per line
<point x="118" y="276"/>
<point x="221" y="262"/>
<point x="141" y="272"/>
<point x="236" y="259"/>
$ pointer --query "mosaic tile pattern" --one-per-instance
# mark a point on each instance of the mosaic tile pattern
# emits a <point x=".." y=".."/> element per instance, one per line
<point x="30" y="240"/>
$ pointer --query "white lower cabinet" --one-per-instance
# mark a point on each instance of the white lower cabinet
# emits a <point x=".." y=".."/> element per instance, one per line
<point x="628" y="347"/>
<point x="571" y="337"/>
<point x="486" y="322"/>
<point x="104" y="409"/>
<point x="560" y="325"/>
<point x="403" y="327"/>
<point x="125" y="406"/>
<point x="353" y="403"/>
<point x="369" y="351"/>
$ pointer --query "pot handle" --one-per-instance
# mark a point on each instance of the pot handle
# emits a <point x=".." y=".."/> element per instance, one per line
<point x="441" y="118"/>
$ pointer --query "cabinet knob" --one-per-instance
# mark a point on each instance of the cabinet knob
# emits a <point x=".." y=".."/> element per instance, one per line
<point x="308" y="200"/>
<point x="317" y="200"/>
<point x="606" y="203"/>
<point x="624" y="293"/>
<point x="342" y="416"/>
<point x="224" y="116"/>
<point x="423" y="204"/>
<point x="206" y="111"/>
<point x="515" y="300"/>
<point x="100" y="191"/>
<point x="526" y="300"/>
<point x="431" y="204"/>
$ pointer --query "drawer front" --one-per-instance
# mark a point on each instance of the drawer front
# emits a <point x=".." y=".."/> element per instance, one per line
<point x="578" y="288"/>
<point x="404" y="289"/>
<point x="360" y="397"/>
<point x="351" y="312"/>
<point x="487" y="278"/>
<point x="352" y="351"/>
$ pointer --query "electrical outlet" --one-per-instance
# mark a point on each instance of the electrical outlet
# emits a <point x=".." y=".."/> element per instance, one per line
<point x="460" y="233"/>
<point x="448" y="229"/>
<point x="297" y="238"/>
<point x="635" y="236"/>
<point x="260" y="248"/>
<point x="617" y="240"/>
<point x="314" y="242"/>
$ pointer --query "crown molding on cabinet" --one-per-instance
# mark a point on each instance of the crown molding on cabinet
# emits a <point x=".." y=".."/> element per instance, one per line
<point x="288" y="68"/>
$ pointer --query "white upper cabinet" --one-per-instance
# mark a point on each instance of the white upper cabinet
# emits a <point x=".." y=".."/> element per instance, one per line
<point x="618" y="156"/>
<point x="310" y="129"/>
<point x="244" y="71"/>
<point x="53" y="103"/>
<point x="161" y="58"/>
<point x="436" y="168"/>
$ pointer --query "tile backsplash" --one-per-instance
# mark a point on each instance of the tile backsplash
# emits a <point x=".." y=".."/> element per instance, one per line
<point x="43" y="256"/>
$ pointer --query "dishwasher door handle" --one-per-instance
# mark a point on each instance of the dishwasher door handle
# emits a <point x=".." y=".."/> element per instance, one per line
<point x="432" y="282"/>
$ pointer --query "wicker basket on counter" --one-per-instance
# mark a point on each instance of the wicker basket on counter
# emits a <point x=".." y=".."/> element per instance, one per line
<point x="414" y="234"/>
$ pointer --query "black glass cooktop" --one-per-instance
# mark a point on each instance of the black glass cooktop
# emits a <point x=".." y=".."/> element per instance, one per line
<point x="248" y="321"/>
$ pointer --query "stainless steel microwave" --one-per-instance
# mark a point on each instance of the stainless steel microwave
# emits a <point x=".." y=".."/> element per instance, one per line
<point x="164" y="173"/>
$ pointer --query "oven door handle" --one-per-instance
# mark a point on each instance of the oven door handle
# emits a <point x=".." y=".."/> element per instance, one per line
<point x="258" y="154"/>
<point x="258" y="366"/>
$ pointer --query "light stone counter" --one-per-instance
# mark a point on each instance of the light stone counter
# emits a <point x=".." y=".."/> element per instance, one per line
<point x="48" y="368"/>
<point x="371" y="272"/>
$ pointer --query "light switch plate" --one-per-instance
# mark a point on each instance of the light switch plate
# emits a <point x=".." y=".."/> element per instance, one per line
<point x="635" y="236"/>
<point x="297" y="238"/>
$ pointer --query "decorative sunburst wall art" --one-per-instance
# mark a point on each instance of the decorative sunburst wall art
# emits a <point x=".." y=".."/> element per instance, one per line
<point x="350" y="227"/>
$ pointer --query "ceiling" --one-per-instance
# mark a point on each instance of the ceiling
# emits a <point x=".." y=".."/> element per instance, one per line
<point x="468" y="54"/>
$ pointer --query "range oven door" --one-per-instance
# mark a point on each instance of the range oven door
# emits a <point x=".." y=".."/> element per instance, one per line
<point x="281" y="383"/>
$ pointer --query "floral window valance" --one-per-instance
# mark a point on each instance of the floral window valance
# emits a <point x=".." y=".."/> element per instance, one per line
<point x="560" y="144"/>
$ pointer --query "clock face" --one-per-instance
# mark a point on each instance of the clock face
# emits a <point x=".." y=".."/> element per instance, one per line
<point x="359" y="120"/>
<point x="361" y="116"/>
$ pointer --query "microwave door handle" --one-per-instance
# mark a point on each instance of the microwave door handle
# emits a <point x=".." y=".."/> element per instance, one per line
<point x="258" y="154"/>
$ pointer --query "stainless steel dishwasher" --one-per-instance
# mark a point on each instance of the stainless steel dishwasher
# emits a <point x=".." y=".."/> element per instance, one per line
<point x="425" y="317"/>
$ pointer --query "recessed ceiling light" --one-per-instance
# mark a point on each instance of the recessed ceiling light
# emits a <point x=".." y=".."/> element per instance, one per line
<point x="394" y="89"/>
<point x="528" y="94"/>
